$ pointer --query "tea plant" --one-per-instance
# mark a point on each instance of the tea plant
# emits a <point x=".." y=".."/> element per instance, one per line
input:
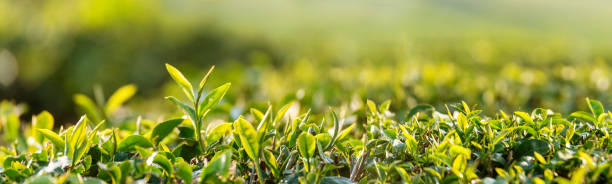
<point x="365" y="144"/>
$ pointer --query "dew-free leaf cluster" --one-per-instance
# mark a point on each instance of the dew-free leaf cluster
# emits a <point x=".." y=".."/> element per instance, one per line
<point x="368" y="143"/>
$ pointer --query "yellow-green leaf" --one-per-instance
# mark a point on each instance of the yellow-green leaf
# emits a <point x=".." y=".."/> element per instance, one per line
<point x="89" y="107"/>
<point x="134" y="140"/>
<point x="213" y="98"/>
<point x="44" y="120"/>
<point x="248" y="138"/>
<point x="306" y="145"/>
<point x="181" y="81"/>
<point x="539" y="157"/>
<point x="119" y="97"/>
<point x="53" y="137"/>
<point x="282" y="112"/>
<point x="203" y="81"/>
<point x="525" y="117"/>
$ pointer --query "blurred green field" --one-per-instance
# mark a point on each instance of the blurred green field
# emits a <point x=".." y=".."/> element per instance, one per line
<point x="500" y="55"/>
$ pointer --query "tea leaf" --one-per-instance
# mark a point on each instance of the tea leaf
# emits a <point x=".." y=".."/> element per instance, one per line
<point x="595" y="106"/>
<point x="525" y="117"/>
<point x="186" y="108"/>
<point x="219" y="165"/>
<point x="163" y="129"/>
<point x="184" y="170"/>
<point x="336" y="180"/>
<point x="53" y="137"/>
<point x="178" y="77"/>
<point x="419" y="108"/>
<point x="44" y="120"/>
<point x="282" y="112"/>
<point x="119" y="97"/>
<point x="203" y="81"/>
<point x="131" y="141"/>
<point x="160" y="160"/>
<point x="89" y="107"/>
<point x="306" y="145"/>
<point x="248" y="138"/>
<point x="584" y="116"/>
<point x="213" y="98"/>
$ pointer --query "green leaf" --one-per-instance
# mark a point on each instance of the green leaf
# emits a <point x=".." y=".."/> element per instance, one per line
<point x="218" y="165"/>
<point x="181" y="81"/>
<point x="499" y="137"/>
<point x="324" y="139"/>
<point x="42" y="179"/>
<point x="184" y="170"/>
<point x="186" y="108"/>
<point x="462" y="122"/>
<point x="263" y="124"/>
<point x="459" y="164"/>
<point x="119" y="97"/>
<point x="583" y="115"/>
<point x="343" y="135"/>
<point x="78" y="136"/>
<point x="53" y="137"/>
<point x="596" y="107"/>
<point x="80" y="152"/>
<point x="93" y="132"/>
<point x="306" y="145"/>
<point x="527" y="147"/>
<point x="257" y="114"/>
<point x="11" y="129"/>
<point x="160" y="160"/>
<point x="336" y="131"/>
<point x="13" y="174"/>
<point x="218" y="132"/>
<point x="411" y="142"/>
<point x="525" y="117"/>
<point x="403" y="174"/>
<point x="465" y="107"/>
<point x="128" y="143"/>
<point x="419" y="108"/>
<point x="371" y="106"/>
<point x="529" y="130"/>
<point x="213" y="98"/>
<point x="89" y="107"/>
<point x="203" y="81"/>
<point x="163" y="129"/>
<point x="270" y="160"/>
<point x="459" y="150"/>
<point x="336" y="180"/>
<point x="384" y="106"/>
<point x="44" y="120"/>
<point x="248" y="138"/>
<point x="539" y="157"/>
<point x="282" y="112"/>
<point x="570" y="132"/>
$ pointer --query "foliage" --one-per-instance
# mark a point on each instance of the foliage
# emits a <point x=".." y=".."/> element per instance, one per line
<point x="362" y="144"/>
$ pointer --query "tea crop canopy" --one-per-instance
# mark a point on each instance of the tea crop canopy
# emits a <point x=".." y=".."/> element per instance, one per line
<point x="292" y="143"/>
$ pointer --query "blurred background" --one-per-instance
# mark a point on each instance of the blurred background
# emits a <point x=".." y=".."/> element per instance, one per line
<point x="510" y="55"/>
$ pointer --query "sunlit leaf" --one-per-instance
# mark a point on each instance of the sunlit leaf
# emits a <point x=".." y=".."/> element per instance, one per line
<point x="306" y="145"/>
<point x="44" y="120"/>
<point x="213" y="98"/>
<point x="53" y="137"/>
<point x="162" y="129"/>
<point x="181" y="81"/>
<point x="248" y="137"/>
<point x="89" y="107"/>
<point x="131" y="141"/>
<point x="119" y="97"/>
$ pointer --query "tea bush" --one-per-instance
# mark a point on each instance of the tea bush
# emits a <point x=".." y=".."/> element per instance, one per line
<point x="362" y="143"/>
